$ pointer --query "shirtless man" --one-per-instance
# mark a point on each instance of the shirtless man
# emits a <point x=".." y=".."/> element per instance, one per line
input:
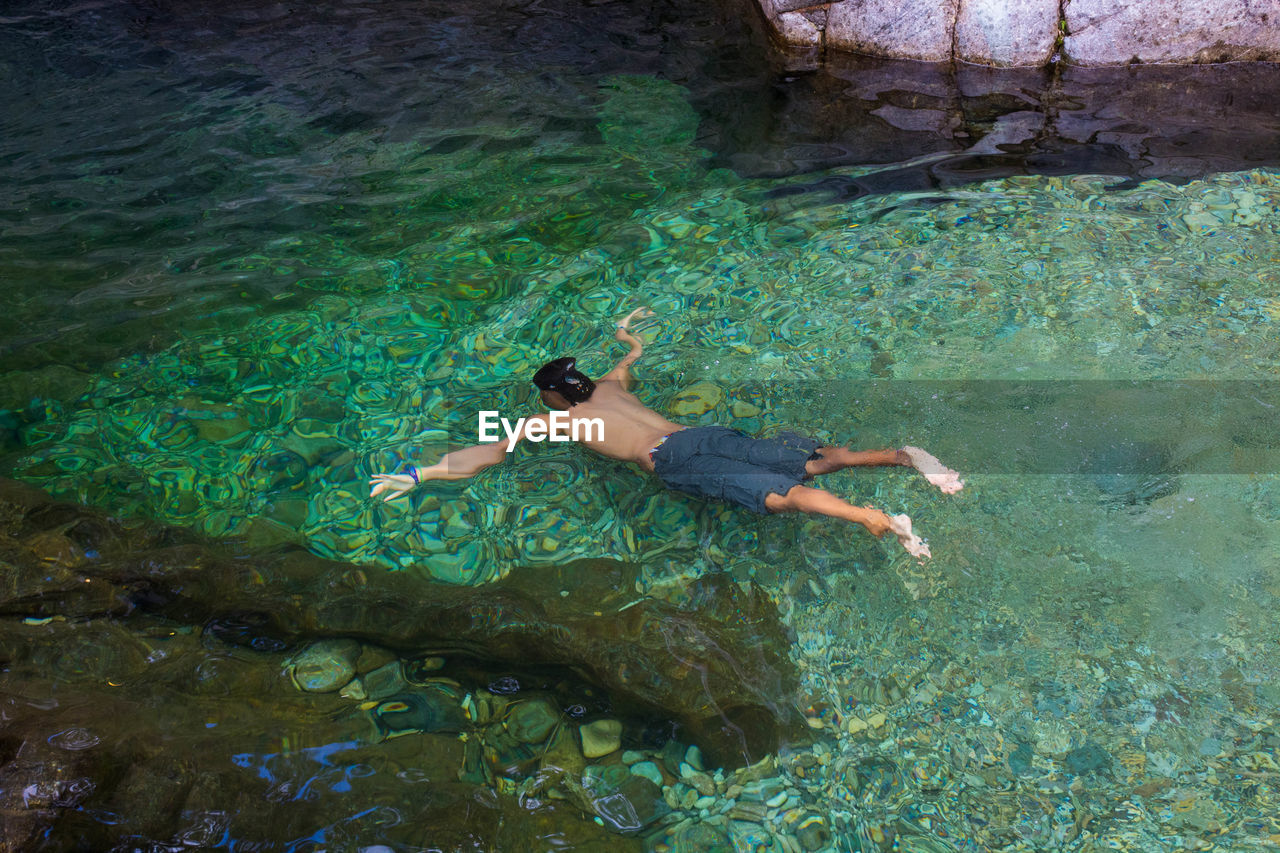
<point x="764" y="475"/>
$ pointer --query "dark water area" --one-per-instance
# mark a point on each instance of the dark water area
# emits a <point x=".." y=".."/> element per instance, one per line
<point x="172" y="696"/>
<point x="199" y="133"/>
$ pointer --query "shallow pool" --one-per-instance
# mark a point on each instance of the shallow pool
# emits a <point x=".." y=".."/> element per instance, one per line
<point x="247" y="272"/>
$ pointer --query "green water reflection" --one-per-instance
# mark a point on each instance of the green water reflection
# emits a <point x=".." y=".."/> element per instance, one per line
<point x="1086" y="671"/>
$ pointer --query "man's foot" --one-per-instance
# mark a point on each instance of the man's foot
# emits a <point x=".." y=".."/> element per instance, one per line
<point x="934" y="471"/>
<point x="901" y="527"/>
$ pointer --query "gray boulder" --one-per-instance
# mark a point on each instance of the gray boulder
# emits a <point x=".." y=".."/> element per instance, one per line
<point x="997" y="32"/>
<point x="902" y="29"/>
<point x="1116" y="32"/>
<point x="1026" y="33"/>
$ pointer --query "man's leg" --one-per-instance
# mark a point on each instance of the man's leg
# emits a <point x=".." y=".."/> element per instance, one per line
<point x="839" y="458"/>
<point x="819" y="502"/>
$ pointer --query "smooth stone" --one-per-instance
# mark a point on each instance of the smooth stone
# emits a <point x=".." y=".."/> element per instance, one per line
<point x="563" y="754"/>
<point x="697" y="399"/>
<point x="325" y="666"/>
<point x="763" y="790"/>
<point x="385" y="681"/>
<point x="434" y="709"/>
<point x="671" y="797"/>
<point x="812" y="833"/>
<point x="635" y="804"/>
<point x="373" y="657"/>
<point x="693" y="757"/>
<point x="748" y="811"/>
<point x="630" y="756"/>
<point x="672" y="756"/>
<point x="625" y="802"/>
<point x="691" y="836"/>
<point x="600" y="737"/>
<point x="762" y="769"/>
<point x="704" y="784"/>
<point x="648" y="770"/>
<point x="777" y="801"/>
<point x="532" y="721"/>
<point x="751" y="836"/>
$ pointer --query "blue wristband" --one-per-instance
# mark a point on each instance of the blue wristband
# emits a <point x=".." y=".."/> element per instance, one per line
<point x="412" y="472"/>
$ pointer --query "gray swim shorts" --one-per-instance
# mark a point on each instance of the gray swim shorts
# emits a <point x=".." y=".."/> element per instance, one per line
<point x="722" y="463"/>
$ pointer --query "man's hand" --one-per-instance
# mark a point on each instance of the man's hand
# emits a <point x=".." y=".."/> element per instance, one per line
<point x="621" y="371"/>
<point x="877" y="522"/>
<point x="622" y="334"/>
<point x="394" y="485"/>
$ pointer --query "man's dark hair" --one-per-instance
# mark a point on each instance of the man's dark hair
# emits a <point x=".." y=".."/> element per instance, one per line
<point x="562" y="377"/>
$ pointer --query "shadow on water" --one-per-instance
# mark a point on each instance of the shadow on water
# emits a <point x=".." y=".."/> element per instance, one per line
<point x="161" y="690"/>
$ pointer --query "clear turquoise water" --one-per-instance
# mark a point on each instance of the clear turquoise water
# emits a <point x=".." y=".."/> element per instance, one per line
<point x="229" y="311"/>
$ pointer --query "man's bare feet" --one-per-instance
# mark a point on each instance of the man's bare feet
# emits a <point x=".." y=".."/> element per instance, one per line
<point x="934" y="471"/>
<point x="901" y="527"/>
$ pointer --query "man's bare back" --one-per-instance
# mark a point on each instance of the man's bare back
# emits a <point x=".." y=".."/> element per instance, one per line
<point x="631" y="429"/>
<point x="763" y="474"/>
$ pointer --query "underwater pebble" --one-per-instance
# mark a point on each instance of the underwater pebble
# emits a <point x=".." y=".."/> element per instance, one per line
<point x="697" y="399"/>
<point x="532" y="720"/>
<point x="325" y="666"/>
<point x="648" y="770"/>
<point x="600" y="737"/>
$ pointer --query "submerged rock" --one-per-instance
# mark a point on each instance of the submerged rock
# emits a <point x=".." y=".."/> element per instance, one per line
<point x="600" y="738"/>
<point x="697" y="399"/>
<point x="583" y="617"/>
<point x="325" y="666"/>
<point x="426" y="710"/>
<point x="532" y="721"/>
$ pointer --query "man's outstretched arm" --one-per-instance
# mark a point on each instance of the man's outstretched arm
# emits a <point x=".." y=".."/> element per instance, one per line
<point x="622" y="370"/>
<point x="454" y="465"/>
